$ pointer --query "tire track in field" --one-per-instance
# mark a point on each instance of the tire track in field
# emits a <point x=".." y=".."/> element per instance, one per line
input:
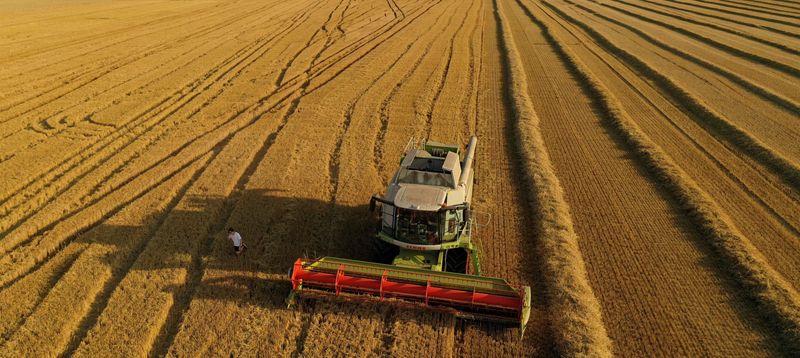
<point x="280" y="78"/>
<point x="378" y="156"/>
<point x="256" y="116"/>
<point x="267" y="145"/>
<point x="105" y="70"/>
<point x="394" y="12"/>
<point x="59" y="81"/>
<point x="339" y="25"/>
<point x="470" y="103"/>
<point x="179" y="309"/>
<point x="62" y="333"/>
<point x="476" y="119"/>
<point x="334" y="173"/>
<point x="87" y="114"/>
<point x="277" y="105"/>
<point x="331" y="36"/>
<point x="332" y="59"/>
<point x="94" y="201"/>
<point x="159" y="116"/>
<point x="440" y="83"/>
<point x="307" y="309"/>
<point x="456" y="85"/>
<point x="358" y="18"/>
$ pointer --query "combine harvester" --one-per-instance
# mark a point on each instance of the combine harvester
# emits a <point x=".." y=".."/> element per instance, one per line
<point x="426" y="238"/>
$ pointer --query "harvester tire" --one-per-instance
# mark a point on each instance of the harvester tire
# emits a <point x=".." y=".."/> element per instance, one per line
<point x="385" y="252"/>
<point x="456" y="260"/>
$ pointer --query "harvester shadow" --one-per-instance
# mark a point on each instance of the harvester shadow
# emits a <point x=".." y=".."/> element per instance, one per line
<point x="276" y="230"/>
<point x="276" y="227"/>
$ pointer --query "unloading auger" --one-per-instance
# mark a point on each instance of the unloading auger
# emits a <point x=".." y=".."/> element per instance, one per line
<point x="425" y="238"/>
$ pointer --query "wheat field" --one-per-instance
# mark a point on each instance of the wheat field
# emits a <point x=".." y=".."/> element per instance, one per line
<point x="638" y="166"/>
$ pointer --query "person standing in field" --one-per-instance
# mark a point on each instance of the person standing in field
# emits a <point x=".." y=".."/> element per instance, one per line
<point x="238" y="245"/>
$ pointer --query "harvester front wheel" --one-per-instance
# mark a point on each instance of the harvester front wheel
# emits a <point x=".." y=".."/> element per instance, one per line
<point x="456" y="260"/>
<point x="385" y="252"/>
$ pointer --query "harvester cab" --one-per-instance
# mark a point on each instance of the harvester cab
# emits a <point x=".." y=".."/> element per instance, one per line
<point x="425" y="214"/>
<point x="425" y="239"/>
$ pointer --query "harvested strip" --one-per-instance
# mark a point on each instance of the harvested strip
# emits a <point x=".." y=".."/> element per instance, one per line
<point x="505" y="245"/>
<point x="307" y="215"/>
<point x="785" y="43"/>
<point x="765" y="212"/>
<point x="738" y="19"/>
<point x="145" y="295"/>
<point x="760" y="79"/>
<point x="782" y="18"/>
<point x="578" y="326"/>
<point x="656" y="268"/>
<point x="759" y="126"/>
<point x="34" y="287"/>
<point x="110" y="250"/>
<point x="775" y="296"/>
<point x="305" y="107"/>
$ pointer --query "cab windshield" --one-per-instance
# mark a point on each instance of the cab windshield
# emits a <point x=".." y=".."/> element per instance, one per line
<point x="418" y="227"/>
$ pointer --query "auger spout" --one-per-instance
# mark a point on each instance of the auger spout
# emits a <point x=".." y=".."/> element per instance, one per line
<point x="468" y="159"/>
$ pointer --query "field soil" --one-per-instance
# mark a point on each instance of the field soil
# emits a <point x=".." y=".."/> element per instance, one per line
<point x="638" y="165"/>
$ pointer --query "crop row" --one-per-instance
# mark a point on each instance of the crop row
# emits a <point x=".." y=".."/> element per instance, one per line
<point x="578" y="323"/>
<point x="775" y="296"/>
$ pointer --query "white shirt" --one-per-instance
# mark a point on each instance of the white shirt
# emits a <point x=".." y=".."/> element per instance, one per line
<point x="237" y="239"/>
